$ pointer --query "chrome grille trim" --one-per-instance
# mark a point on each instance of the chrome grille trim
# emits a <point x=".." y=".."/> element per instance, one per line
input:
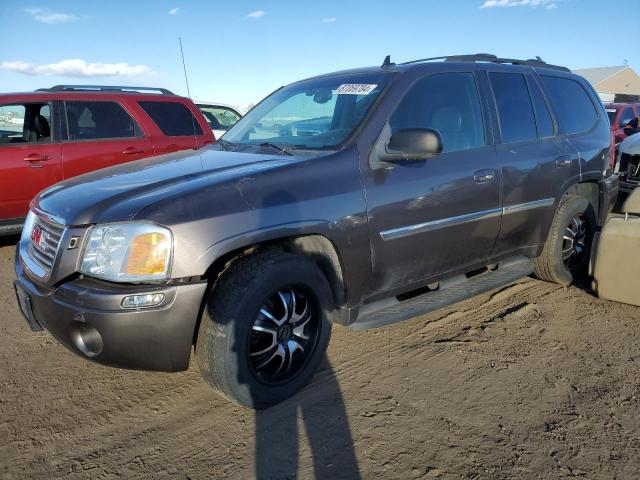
<point x="45" y="256"/>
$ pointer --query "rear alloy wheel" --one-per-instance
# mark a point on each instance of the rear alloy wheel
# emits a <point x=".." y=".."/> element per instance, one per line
<point x="565" y="256"/>
<point x="574" y="248"/>
<point x="265" y="328"/>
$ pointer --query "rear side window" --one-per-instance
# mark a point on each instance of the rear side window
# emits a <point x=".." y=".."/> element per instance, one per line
<point x="571" y="103"/>
<point x="99" y="121"/>
<point x="448" y="103"/>
<point x="626" y="116"/>
<point x="517" y="121"/>
<point x="174" y="119"/>
<point x="544" y="121"/>
<point x="25" y="123"/>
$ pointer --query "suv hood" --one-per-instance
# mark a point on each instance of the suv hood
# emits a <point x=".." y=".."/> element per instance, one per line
<point x="118" y="193"/>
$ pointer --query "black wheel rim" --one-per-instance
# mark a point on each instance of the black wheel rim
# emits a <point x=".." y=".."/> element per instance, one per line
<point x="283" y="336"/>
<point x="574" y="242"/>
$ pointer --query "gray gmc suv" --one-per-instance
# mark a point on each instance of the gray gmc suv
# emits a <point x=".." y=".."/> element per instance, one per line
<point x="420" y="184"/>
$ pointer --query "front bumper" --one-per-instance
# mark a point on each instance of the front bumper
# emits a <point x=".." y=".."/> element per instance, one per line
<point x="86" y="316"/>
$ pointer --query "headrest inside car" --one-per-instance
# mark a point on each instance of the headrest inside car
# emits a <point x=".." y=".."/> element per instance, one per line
<point x="632" y="204"/>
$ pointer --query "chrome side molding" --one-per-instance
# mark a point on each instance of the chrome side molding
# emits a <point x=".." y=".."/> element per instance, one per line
<point x="401" y="232"/>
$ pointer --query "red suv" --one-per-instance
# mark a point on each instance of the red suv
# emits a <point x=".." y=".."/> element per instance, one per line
<point x="64" y="131"/>
<point x="620" y="114"/>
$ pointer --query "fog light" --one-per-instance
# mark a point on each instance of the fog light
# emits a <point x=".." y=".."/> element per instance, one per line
<point x="87" y="339"/>
<point x="143" y="301"/>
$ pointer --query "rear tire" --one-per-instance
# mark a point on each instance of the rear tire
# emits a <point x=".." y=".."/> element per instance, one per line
<point x="265" y="328"/>
<point x="565" y="256"/>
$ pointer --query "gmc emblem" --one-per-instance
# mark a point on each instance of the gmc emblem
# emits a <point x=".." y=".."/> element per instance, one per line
<point x="36" y="237"/>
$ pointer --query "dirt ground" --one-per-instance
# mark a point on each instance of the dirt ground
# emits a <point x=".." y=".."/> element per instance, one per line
<point x="531" y="381"/>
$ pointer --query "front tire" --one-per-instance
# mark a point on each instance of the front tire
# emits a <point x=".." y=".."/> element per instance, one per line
<point x="565" y="256"/>
<point x="265" y="328"/>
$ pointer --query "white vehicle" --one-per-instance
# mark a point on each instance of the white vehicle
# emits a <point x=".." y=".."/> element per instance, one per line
<point x="220" y="116"/>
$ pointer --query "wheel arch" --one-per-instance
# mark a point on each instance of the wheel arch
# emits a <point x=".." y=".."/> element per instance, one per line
<point x="314" y="246"/>
<point x="591" y="191"/>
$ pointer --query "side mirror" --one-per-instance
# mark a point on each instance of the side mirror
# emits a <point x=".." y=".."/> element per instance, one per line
<point x="412" y="144"/>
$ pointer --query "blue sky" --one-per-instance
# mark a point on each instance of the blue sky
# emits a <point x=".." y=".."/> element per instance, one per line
<point x="239" y="51"/>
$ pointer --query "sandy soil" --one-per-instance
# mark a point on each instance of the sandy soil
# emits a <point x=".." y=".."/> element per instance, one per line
<point x="531" y="381"/>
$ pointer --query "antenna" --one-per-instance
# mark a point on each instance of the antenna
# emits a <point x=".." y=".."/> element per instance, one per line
<point x="184" y="67"/>
<point x="186" y="80"/>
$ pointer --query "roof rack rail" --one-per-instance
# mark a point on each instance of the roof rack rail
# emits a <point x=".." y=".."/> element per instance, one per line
<point x="487" y="57"/>
<point x="104" y="88"/>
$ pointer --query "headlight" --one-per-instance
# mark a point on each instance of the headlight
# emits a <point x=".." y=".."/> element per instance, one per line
<point x="124" y="252"/>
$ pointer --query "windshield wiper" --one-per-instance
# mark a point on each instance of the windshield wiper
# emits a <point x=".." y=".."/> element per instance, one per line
<point x="282" y="150"/>
<point x="226" y="145"/>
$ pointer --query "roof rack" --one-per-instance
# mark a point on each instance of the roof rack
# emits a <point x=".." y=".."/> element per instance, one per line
<point x="487" y="57"/>
<point x="104" y="88"/>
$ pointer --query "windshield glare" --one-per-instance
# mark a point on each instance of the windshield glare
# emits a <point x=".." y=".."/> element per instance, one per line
<point x="317" y="113"/>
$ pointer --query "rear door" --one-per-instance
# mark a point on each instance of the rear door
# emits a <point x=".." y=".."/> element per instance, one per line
<point x="29" y="156"/>
<point x="442" y="214"/>
<point x="99" y="134"/>
<point x="581" y="120"/>
<point x="180" y="130"/>
<point x="537" y="164"/>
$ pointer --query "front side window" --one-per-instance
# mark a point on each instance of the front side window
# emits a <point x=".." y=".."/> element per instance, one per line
<point x="447" y="103"/>
<point x="312" y="114"/>
<point x="611" y="113"/>
<point x="25" y="123"/>
<point x="572" y="106"/>
<point x="515" y="111"/>
<point x="219" y="118"/>
<point x="99" y="121"/>
<point x="173" y="118"/>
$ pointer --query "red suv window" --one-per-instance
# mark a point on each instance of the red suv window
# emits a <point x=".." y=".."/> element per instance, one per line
<point x="99" y="120"/>
<point x="174" y="119"/>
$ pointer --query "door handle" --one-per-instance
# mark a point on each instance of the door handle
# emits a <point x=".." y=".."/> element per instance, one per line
<point x="563" y="161"/>
<point x="132" y="151"/>
<point x="484" y="176"/>
<point x="34" y="160"/>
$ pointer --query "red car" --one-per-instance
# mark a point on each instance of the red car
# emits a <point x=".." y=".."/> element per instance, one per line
<point x="61" y="132"/>
<point x="620" y="114"/>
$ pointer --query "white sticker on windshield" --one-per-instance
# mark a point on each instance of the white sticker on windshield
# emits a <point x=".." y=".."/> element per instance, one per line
<point x="355" y="89"/>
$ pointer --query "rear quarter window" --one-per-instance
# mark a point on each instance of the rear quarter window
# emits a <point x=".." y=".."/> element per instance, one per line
<point x="571" y="103"/>
<point x="173" y="118"/>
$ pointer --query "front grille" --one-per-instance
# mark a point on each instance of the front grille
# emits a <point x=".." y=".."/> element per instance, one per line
<point x="44" y="251"/>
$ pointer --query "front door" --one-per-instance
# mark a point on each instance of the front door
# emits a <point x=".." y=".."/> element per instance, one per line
<point x="439" y="215"/>
<point x="29" y="157"/>
<point x="101" y="134"/>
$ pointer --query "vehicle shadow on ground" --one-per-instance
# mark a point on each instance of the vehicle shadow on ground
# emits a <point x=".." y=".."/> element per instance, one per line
<point x="9" y="240"/>
<point x="323" y="413"/>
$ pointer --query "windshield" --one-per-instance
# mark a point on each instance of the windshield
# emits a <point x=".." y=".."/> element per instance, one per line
<point x="312" y="114"/>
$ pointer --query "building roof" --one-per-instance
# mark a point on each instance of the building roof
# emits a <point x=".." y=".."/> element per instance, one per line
<point x="597" y="75"/>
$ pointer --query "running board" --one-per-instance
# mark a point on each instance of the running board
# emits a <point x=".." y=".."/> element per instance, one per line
<point x="444" y="294"/>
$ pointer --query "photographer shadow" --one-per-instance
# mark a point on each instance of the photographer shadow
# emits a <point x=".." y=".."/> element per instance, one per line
<point x="323" y="413"/>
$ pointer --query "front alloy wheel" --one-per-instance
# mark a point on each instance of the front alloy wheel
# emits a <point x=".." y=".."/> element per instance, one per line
<point x="265" y="328"/>
<point x="283" y="336"/>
